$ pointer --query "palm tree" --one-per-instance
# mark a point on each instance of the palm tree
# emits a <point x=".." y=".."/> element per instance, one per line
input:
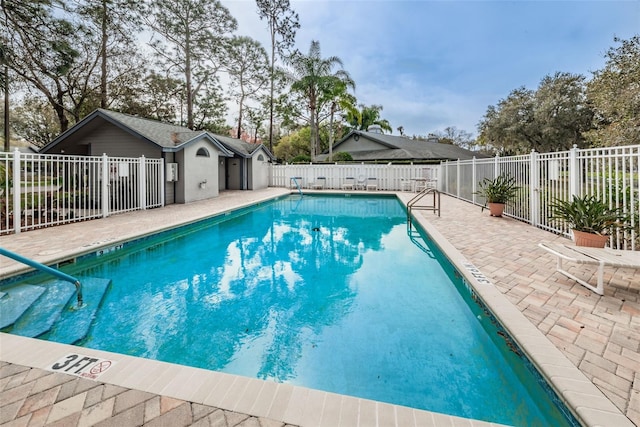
<point x="339" y="99"/>
<point x="367" y="116"/>
<point x="313" y="77"/>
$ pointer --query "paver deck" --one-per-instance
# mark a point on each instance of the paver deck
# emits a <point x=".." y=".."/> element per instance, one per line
<point x="600" y="335"/>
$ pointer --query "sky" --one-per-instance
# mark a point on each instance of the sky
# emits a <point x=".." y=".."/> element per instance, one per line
<point x="438" y="64"/>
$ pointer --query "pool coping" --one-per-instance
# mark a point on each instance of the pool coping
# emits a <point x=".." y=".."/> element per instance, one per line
<point x="587" y="403"/>
<point x="303" y="406"/>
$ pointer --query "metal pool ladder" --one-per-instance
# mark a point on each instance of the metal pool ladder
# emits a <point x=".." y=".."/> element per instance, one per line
<point x="295" y="180"/>
<point x="59" y="274"/>
<point x="413" y="203"/>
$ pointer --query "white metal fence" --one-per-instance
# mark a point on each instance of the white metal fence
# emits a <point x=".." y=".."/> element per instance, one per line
<point x="334" y="176"/>
<point x="39" y="190"/>
<point x="46" y="190"/>
<point x="611" y="174"/>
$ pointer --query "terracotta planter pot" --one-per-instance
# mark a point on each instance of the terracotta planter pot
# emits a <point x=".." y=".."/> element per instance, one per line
<point x="591" y="240"/>
<point x="496" y="209"/>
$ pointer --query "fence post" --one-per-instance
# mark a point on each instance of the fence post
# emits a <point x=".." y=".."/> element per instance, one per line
<point x="474" y="180"/>
<point x="17" y="197"/>
<point x="534" y="180"/>
<point x="142" y="184"/>
<point x="458" y="174"/>
<point x="105" y="185"/>
<point x="574" y="172"/>
<point x="163" y="182"/>
<point x="496" y="166"/>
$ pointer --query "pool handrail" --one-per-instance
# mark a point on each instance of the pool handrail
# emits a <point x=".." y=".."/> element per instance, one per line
<point x="295" y="180"/>
<point x="59" y="274"/>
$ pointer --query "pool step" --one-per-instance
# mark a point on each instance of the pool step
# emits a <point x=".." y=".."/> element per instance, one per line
<point x="74" y="322"/>
<point x="16" y="302"/>
<point x="44" y="312"/>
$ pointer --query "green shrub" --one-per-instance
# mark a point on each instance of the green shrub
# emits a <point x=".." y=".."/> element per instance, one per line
<point x="301" y="158"/>
<point x="342" y="156"/>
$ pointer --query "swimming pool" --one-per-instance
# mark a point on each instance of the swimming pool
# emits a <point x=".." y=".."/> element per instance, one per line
<point x="298" y="291"/>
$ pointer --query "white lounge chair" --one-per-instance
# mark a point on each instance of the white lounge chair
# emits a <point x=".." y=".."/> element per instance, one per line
<point x="593" y="256"/>
<point x="372" y="183"/>
<point x="349" y="183"/>
<point x="319" y="183"/>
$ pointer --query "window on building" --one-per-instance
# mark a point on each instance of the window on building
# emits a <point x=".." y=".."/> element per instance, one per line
<point x="202" y="152"/>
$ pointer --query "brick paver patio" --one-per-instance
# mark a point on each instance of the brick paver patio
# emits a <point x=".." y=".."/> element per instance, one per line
<point x="599" y="334"/>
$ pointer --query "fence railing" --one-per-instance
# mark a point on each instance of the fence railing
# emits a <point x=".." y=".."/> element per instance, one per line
<point x="44" y="190"/>
<point x="611" y="174"/>
<point x="41" y="190"/>
<point x="333" y="176"/>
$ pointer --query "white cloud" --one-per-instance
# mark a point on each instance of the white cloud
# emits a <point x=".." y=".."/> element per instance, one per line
<point x="433" y="64"/>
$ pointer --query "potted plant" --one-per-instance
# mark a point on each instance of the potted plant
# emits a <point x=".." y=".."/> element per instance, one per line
<point x="497" y="193"/>
<point x="589" y="218"/>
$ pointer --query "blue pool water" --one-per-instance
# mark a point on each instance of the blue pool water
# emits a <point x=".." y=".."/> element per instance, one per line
<point x="324" y="292"/>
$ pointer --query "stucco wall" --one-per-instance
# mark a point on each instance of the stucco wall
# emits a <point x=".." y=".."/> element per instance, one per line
<point x="259" y="171"/>
<point x="200" y="174"/>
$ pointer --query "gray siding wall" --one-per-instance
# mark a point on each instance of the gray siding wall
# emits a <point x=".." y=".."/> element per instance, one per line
<point x="169" y="187"/>
<point x="115" y="142"/>
<point x="363" y="144"/>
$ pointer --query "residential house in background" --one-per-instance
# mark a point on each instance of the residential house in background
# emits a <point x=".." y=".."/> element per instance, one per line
<point x="198" y="164"/>
<point x="374" y="146"/>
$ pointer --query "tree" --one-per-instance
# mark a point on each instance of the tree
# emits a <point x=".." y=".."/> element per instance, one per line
<point x="554" y="117"/>
<point x="312" y="76"/>
<point x="114" y="24"/>
<point x="211" y="109"/>
<point x="35" y="121"/>
<point x="194" y="36"/>
<point x="255" y="116"/>
<point x="293" y="145"/>
<point x="283" y="24"/>
<point x="452" y="135"/>
<point x="40" y="50"/>
<point x="339" y="99"/>
<point x="613" y="94"/>
<point x="247" y="66"/>
<point x="561" y="112"/>
<point x="367" y="116"/>
<point x="154" y="97"/>
<point x="70" y="55"/>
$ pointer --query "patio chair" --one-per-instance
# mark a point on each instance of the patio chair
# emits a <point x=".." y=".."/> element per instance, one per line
<point x="420" y="184"/>
<point x="372" y="184"/>
<point x="406" y="184"/>
<point x="349" y="183"/>
<point x="592" y="256"/>
<point x="319" y="183"/>
<point x="361" y="184"/>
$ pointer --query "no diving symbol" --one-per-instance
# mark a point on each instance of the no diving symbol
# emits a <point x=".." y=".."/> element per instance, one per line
<point x="82" y="366"/>
<point x="99" y="368"/>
